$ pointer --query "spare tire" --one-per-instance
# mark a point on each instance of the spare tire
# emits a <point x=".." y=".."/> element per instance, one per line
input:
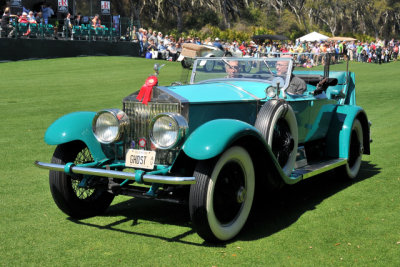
<point x="277" y="123"/>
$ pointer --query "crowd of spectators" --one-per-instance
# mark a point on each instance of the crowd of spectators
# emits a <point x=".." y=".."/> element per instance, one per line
<point x="29" y="17"/>
<point x="21" y="23"/>
<point x="154" y="45"/>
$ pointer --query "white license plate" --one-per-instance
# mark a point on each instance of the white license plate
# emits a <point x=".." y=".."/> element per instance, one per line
<point x="142" y="159"/>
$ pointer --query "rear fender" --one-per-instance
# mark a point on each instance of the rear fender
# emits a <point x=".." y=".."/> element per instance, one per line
<point x="338" y="138"/>
<point x="72" y="127"/>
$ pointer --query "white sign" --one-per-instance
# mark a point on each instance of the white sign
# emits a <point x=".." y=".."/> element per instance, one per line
<point x="63" y="6"/>
<point x="143" y="159"/>
<point x="15" y="3"/>
<point x="105" y="7"/>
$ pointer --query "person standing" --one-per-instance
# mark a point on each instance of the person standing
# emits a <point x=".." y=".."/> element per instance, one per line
<point x="218" y="44"/>
<point x="68" y="26"/>
<point x="139" y="37"/>
<point x="47" y="12"/>
<point x="378" y="54"/>
<point x="5" y="22"/>
<point x="78" y="20"/>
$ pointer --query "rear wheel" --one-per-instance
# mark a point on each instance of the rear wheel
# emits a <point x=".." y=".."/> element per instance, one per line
<point x="356" y="149"/>
<point x="221" y="199"/>
<point x="79" y="196"/>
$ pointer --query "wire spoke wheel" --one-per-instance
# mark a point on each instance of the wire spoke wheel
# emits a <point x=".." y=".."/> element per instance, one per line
<point x="282" y="141"/>
<point x="82" y="192"/>
<point x="79" y="196"/>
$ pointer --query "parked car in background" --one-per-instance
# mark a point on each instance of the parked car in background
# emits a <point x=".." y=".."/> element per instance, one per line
<point x="212" y="142"/>
<point x="191" y="51"/>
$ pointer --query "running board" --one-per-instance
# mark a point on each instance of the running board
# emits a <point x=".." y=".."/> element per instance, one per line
<point x="317" y="168"/>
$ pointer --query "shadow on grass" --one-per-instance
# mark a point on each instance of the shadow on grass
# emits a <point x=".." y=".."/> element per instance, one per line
<point x="286" y="206"/>
<point x="278" y="212"/>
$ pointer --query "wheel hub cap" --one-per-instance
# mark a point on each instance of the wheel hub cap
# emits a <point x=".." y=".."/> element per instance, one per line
<point x="241" y="195"/>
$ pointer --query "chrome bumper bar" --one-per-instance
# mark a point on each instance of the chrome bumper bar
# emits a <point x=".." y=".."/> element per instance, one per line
<point x="146" y="178"/>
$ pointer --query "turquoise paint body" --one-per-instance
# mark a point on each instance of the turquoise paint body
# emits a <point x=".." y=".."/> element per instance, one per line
<point x="338" y="138"/>
<point x="201" y="113"/>
<point x="221" y="91"/>
<point x="72" y="127"/>
<point x="214" y="137"/>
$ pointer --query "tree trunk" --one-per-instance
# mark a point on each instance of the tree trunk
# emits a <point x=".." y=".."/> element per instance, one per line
<point x="225" y="13"/>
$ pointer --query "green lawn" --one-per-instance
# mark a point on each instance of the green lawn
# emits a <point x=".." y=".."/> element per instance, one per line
<point x="318" y="222"/>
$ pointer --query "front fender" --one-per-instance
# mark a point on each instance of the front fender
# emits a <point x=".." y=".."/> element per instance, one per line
<point x="213" y="137"/>
<point x="72" y="127"/>
<point x="338" y="138"/>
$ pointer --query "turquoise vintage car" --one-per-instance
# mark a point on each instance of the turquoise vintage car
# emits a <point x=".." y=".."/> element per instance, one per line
<point x="212" y="142"/>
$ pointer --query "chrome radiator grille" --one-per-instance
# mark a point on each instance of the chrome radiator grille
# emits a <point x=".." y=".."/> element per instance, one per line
<point x="140" y="116"/>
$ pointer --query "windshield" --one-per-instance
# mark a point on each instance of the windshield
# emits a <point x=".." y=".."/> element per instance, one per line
<point x="257" y="69"/>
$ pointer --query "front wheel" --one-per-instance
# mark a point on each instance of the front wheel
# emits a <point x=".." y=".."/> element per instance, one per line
<point x="79" y="196"/>
<point x="221" y="199"/>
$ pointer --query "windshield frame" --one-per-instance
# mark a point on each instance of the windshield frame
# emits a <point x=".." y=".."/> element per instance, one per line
<point x="268" y="63"/>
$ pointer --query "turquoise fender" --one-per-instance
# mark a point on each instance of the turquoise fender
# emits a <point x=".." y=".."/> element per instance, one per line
<point x="213" y="137"/>
<point x="338" y="138"/>
<point x="72" y="127"/>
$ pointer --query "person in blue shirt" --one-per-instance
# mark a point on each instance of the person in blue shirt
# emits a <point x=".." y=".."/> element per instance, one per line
<point x="47" y="12"/>
<point x="163" y="50"/>
<point x="218" y="44"/>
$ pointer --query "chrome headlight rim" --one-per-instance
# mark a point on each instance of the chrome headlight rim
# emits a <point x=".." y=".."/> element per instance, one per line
<point x="181" y="124"/>
<point x="121" y="121"/>
<point x="271" y="91"/>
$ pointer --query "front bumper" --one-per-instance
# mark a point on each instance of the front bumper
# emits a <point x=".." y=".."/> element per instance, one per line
<point x="138" y="176"/>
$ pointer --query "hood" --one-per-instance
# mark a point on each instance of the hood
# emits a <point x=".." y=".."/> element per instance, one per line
<point x="229" y="91"/>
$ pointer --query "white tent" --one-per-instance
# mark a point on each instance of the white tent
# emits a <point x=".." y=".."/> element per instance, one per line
<point x="312" y="37"/>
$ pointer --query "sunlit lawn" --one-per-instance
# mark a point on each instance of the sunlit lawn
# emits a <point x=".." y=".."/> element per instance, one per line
<point x="319" y="222"/>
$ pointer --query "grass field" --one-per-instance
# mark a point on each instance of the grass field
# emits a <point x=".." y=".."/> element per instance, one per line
<point x="319" y="222"/>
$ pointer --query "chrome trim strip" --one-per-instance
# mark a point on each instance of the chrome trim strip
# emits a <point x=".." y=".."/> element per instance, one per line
<point x="147" y="178"/>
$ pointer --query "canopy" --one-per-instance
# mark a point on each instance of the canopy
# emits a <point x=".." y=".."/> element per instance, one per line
<point x="312" y="37"/>
<point x="338" y="38"/>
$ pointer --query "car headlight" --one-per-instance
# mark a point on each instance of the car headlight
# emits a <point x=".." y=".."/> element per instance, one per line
<point x="167" y="130"/>
<point x="109" y="125"/>
<point x="271" y="91"/>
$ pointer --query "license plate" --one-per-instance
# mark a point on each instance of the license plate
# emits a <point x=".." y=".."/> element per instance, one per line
<point x="142" y="159"/>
